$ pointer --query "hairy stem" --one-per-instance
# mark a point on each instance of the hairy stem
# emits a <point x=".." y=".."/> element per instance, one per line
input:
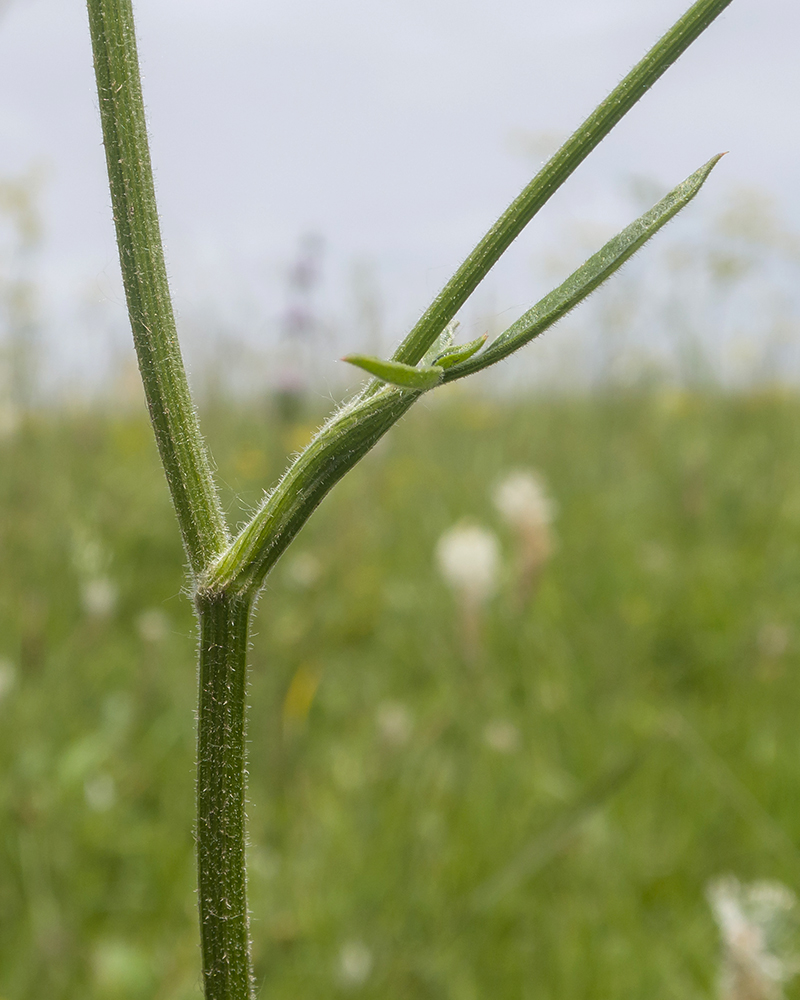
<point x="223" y="619"/>
<point x="174" y="420"/>
<point x="339" y="445"/>
<point x="224" y="623"/>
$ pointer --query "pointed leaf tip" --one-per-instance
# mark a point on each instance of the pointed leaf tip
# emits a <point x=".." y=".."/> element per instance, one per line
<point x="397" y="373"/>
<point x="587" y="277"/>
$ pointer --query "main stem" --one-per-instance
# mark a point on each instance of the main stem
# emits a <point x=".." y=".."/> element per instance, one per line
<point x="224" y="618"/>
<point x="224" y="625"/>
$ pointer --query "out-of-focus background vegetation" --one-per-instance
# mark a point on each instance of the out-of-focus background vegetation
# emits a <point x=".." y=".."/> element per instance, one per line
<point x="541" y="822"/>
<point x="537" y="815"/>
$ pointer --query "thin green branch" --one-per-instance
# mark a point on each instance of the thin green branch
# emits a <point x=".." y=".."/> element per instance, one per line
<point x="557" y="836"/>
<point x="587" y="278"/>
<point x="130" y="175"/>
<point x="353" y="430"/>
<point x="554" y="173"/>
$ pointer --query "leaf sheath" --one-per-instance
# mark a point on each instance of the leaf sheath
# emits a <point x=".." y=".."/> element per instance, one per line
<point x="337" y="447"/>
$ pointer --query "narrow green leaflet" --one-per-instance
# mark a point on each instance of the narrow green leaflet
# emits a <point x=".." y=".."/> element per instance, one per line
<point x="396" y="373"/>
<point x="459" y="352"/>
<point x="442" y="343"/>
<point x="587" y="278"/>
<point x="554" y="173"/>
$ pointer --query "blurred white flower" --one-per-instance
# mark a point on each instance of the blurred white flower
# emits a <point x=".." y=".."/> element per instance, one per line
<point x="756" y="921"/>
<point x="91" y="561"/>
<point x="468" y="557"/>
<point x="395" y="723"/>
<point x="122" y="969"/>
<point x="656" y="558"/>
<point x="8" y="677"/>
<point x="355" y="963"/>
<point x="153" y="625"/>
<point x="522" y="500"/>
<point x="88" y="556"/>
<point x="525" y="506"/>
<point x="502" y="736"/>
<point x="773" y="640"/>
<point x="264" y="862"/>
<point x="99" y="597"/>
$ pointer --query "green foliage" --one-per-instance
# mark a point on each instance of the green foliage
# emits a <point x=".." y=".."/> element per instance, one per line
<point x="663" y="640"/>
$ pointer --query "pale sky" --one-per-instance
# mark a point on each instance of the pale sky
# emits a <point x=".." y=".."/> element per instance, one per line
<point x="396" y="130"/>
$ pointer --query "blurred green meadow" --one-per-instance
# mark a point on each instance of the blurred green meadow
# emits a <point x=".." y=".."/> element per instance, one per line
<point x="538" y="822"/>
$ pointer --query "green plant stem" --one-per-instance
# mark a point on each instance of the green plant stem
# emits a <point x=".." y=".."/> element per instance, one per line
<point x="144" y="274"/>
<point x="587" y="278"/>
<point x="554" y="173"/>
<point x="228" y="575"/>
<point x="351" y="432"/>
<point x="223" y="618"/>
<point x="224" y="623"/>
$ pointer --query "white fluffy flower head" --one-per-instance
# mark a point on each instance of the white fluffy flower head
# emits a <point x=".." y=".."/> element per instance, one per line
<point x="523" y="502"/>
<point x="756" y="923"/>
<point x="468" y="557"/>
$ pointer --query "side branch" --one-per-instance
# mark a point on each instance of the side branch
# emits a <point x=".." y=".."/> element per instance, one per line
<point x="554" y="173"/>
<point x="341" y="442"/>
<point x="356" y="427"/>
<point x="174" y="420"/>
<point x="588" y="277"/>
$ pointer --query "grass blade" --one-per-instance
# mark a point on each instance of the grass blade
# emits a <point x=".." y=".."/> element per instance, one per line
<point x="556" y="837"/>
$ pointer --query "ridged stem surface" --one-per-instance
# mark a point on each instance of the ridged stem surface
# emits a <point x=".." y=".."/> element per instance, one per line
<point x="224" y="622"/>
<point x="144" y="274"/>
